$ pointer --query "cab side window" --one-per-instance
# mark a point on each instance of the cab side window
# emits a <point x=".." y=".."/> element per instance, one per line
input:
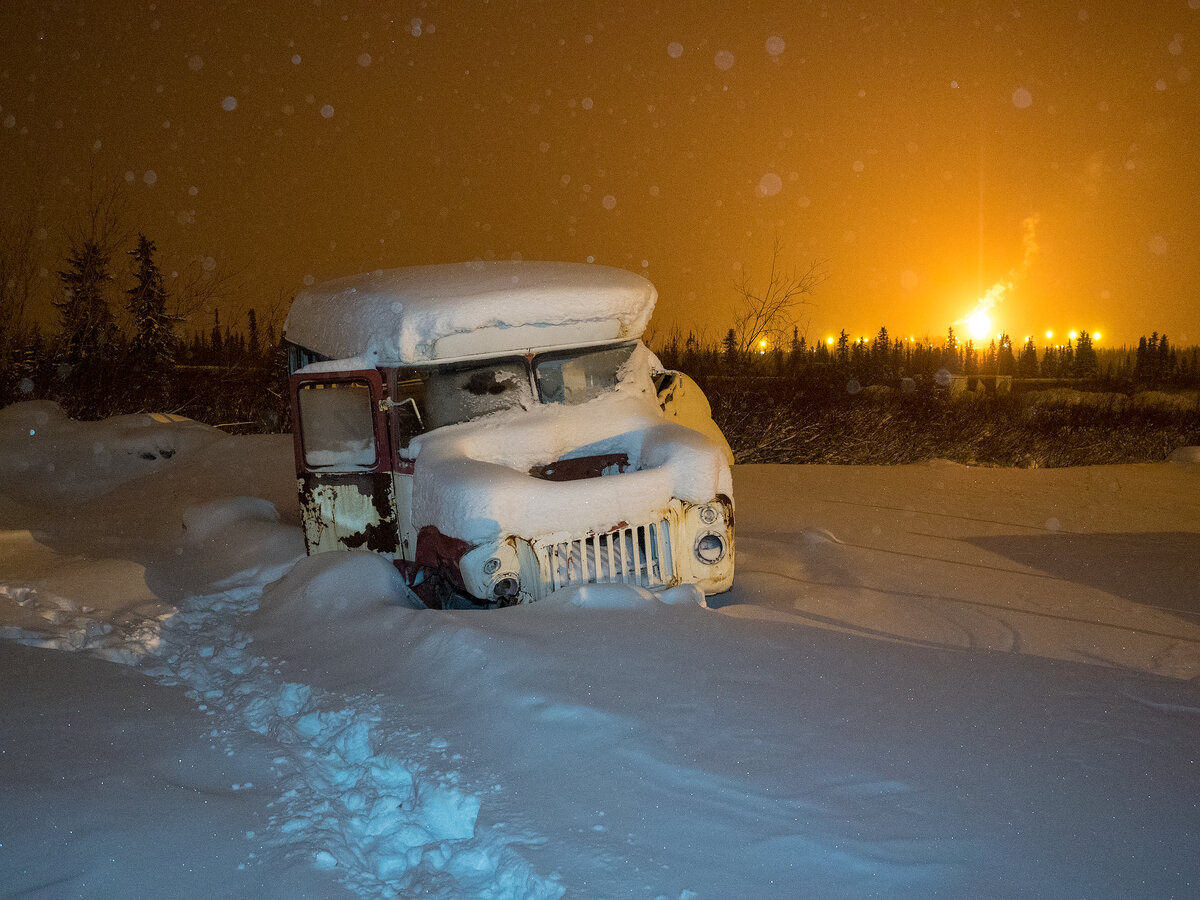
<point x="337" y="426"/>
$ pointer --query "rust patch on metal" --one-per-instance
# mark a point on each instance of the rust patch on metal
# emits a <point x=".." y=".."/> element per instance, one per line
<point x="441" y="553"/>
<point x="581" y="467"/>
<point x="438" y="555"/>
<point x="351" y="510"/>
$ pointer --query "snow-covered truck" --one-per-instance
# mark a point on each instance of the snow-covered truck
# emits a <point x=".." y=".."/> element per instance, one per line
<point x="499" y="430"/>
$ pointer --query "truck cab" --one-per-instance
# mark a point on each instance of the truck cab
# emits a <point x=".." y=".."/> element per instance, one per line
<point x="499" y="431"/>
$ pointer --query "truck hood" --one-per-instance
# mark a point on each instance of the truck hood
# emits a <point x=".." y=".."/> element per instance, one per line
<point x="473" y="481"/>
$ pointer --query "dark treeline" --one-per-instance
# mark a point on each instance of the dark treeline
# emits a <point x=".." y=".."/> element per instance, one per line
<point x="116" y="348"/>
<point x="884" y="360"/>
<point x="891" y="402"/>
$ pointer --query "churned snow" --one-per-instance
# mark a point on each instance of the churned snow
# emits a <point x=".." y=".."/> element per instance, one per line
<point x="929" y="680"/>
<point x="398" y="316"/>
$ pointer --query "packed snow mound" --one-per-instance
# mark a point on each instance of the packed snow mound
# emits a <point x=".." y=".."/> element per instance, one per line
<point x="473" y="480"/>
<point x="44" y="455"/>
<point x="618" y="596"/>
<point x="321" y="591"/>
<point x="204" y="522"/>
<point x="1185" y="454"/>
<point x="236" y="541"/>
<point x="420" y="314"/>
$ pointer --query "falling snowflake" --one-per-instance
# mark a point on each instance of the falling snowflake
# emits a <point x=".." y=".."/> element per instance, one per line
<point x="674" y="49"/>
<point x="326" y="111"/>
<point x="769" y="185"/>
<point x="1022" y="99"/>
<point x="723" y="60"/>
<point x="229" y="104"/>
<point x="775" y="45"/>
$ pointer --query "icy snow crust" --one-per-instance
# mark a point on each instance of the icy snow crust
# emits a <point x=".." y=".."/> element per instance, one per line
<point x="928" y="681"/>
<point x="399" y="316"/>
<point x="472" y="480"/>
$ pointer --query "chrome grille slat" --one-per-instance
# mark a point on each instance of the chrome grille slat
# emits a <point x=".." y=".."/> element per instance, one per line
<point x="636" y="554"/>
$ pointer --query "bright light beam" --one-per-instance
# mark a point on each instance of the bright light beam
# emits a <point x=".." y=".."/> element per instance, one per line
<point x="979" y="325"/>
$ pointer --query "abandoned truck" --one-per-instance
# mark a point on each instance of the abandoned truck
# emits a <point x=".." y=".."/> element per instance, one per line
<point x="499" y="431"/>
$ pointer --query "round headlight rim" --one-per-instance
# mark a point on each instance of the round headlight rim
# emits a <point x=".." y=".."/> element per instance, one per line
<point x="719" y="543"/>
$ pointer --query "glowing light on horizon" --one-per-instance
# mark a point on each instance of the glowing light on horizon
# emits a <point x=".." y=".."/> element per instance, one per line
<point x="979" y="324"/>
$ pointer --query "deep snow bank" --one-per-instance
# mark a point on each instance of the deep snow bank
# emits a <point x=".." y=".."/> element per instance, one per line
<point x="927" y="680"/>
<point x="380" y="823"/>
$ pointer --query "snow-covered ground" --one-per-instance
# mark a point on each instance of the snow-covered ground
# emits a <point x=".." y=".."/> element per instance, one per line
<point x="930" y="680"/>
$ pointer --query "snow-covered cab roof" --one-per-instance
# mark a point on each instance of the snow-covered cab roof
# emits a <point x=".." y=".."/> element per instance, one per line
<point x="463" y="310"/>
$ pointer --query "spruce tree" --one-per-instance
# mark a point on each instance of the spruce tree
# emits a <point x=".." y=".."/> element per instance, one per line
<point x="85" y="320"/>
<point x="254" y="342"/>
<point x="1027" y="363"/>
<point x="731" y="349"/>
<point x="215" y="341"/>
<point x="1006" y="363"/>
<point x="1087" y="365"/>
<point x="153" y="347"/>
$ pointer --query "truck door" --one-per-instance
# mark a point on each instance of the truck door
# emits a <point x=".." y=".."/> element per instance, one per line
<point x="344" y="461"/>
<point x="406" y="409"/>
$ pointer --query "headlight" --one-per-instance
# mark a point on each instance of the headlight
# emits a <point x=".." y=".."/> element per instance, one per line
<point x="506" y="587"/>
<point x="710" y="548"/>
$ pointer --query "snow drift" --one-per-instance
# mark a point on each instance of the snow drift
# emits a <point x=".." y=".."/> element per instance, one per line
<point x="929" y="680"/>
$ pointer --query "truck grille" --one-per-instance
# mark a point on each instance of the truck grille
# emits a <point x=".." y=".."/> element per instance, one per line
<point x="636" y="554"/>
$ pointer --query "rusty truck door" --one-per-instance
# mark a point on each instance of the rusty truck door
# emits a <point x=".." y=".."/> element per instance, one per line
<point x="344" y="461"/>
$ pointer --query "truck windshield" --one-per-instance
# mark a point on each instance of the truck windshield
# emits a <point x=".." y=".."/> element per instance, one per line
<point x="336" y="425"/>
<point x="468" y="392"/>
<point x="579" y="376"/>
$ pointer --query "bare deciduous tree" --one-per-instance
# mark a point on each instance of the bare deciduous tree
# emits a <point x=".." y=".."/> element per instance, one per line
<point x="19" y="262"/>
<point x="101" y="221"/>
<point x="199" y="287"/>
<point x="770" y="313"/>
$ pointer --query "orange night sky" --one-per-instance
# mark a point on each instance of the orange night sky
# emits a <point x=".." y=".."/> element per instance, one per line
<point x="921" y="153"/>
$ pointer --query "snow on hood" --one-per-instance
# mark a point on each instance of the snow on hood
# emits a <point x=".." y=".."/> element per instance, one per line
<point x="472" y="480"/>
<point x="422" y="313"/>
